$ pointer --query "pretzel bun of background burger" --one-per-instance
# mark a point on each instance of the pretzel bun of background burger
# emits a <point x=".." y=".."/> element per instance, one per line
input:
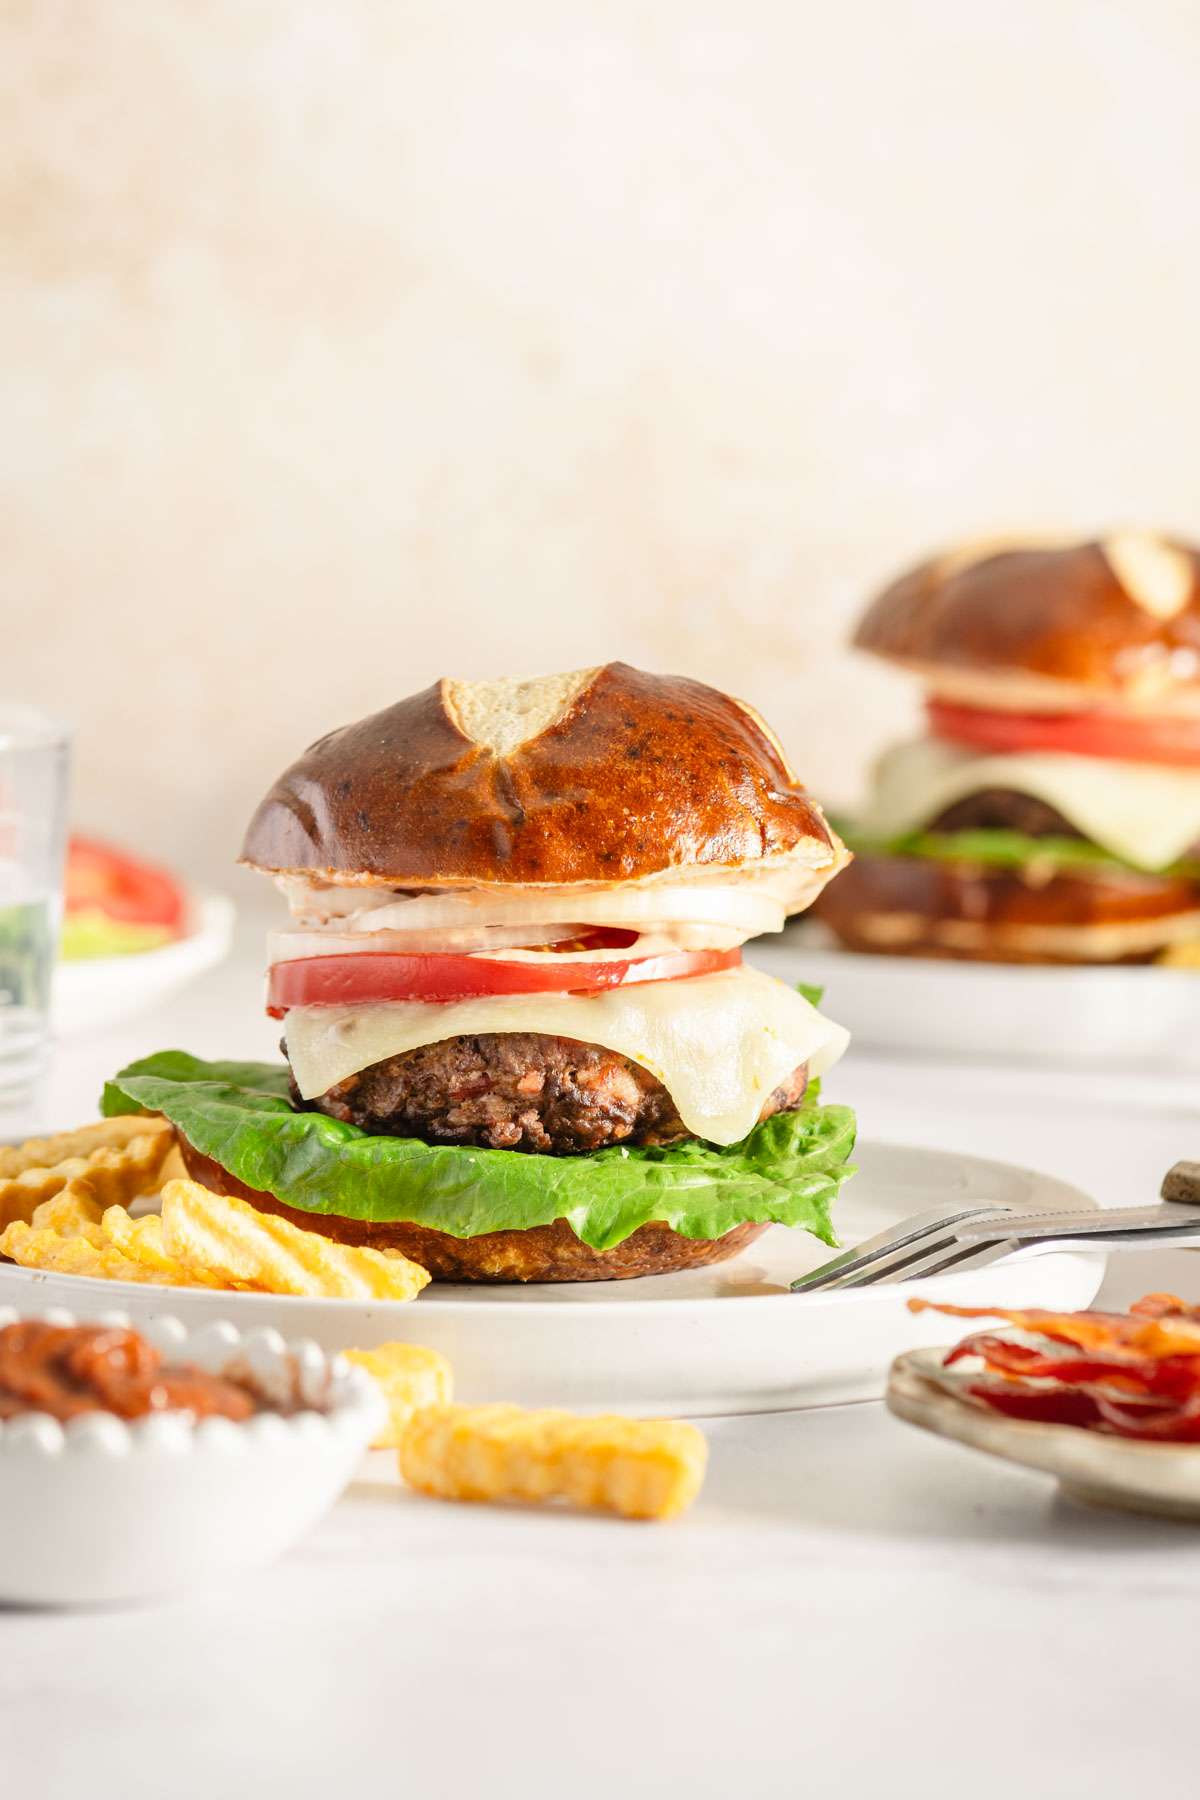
<point x="1051" y="811"/>
<point x="517" y="916"/>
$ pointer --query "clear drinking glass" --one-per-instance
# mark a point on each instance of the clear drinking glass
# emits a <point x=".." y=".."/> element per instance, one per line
<point x="34" y="756"/>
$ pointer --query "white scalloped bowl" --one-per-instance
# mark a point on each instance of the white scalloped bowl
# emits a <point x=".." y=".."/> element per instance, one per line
<point x="101" y="1510"/>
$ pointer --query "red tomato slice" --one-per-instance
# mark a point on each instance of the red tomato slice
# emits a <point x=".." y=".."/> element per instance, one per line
<point x="120" y="886"/>
<point x="1158" y="740"/>
<point x="360" y="980"/>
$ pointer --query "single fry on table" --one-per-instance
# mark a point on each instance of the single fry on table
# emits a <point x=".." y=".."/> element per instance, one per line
<point x="640" y="1468"/>
<point x="410" y="1377"/>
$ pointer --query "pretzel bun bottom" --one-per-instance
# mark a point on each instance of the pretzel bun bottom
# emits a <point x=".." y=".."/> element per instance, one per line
<point x="915" y="906"/>
<point x="543" y="1253"/>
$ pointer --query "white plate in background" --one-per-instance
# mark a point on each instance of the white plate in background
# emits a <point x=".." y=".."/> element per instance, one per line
<point x="1128" y="1017"/>
<point x="725" y="1339"/>
<point x="96" y="991"/>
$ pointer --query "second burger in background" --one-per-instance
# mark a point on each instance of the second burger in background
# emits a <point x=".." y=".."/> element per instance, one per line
<point x="1051" y="810"/>
<point x="521" y="1042"/>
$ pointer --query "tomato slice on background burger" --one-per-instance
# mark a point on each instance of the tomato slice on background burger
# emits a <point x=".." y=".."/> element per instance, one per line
<point x="101" y="879"/>
<point x="364" y="980"/>
<point x="1125" y="737"/>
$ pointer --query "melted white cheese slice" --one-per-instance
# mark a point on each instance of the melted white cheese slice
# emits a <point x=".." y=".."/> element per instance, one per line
<point x="1145" y="813"/>
<point x="720" y="1044"/>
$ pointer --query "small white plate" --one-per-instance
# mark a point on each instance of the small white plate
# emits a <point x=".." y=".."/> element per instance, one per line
<point x="921" y="1006"/>
<point x="97" y="991"/>
<point x="725" y="1339"/>
<point x="1105" y="1471"/>
<point x="98" y="1510"/>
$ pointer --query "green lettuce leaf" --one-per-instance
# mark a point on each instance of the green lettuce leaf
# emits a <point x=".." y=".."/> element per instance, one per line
<point x="787" y="1170"/>
<point x="1003" y="849"/>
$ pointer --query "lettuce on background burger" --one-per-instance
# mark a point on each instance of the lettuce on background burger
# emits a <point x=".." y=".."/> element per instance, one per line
<point x="521" y="1042"/>
<point x="1051" y="812"/>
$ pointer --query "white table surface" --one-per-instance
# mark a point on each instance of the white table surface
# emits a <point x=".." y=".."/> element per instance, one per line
<point x="851" y="1607"/>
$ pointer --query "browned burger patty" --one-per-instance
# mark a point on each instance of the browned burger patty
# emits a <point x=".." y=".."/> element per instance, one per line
<point x="1004" y="809"/>
<point x="518" y="1090"/>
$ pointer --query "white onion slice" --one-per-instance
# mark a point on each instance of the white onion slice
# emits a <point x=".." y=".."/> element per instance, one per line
<point x="294" y="946"/>
<point x="507" y="943"/>
<point x="738" y="912"/>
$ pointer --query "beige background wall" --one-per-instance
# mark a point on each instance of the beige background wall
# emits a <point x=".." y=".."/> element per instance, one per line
<point x="348" y="342"/>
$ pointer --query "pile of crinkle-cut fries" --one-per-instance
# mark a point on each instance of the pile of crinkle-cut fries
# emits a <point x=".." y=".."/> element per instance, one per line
<point x="65" y="1206"/>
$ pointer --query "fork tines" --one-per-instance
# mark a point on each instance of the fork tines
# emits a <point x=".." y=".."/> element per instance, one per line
<point x="917" y="1246"/>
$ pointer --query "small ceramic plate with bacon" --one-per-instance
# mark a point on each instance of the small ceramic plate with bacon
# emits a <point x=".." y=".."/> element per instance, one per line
<point x="1109" y="1403"/>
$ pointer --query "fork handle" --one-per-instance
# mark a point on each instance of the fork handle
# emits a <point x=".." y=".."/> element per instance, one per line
<point x="1181" y="1183"/>
<point x="1182" y="1237"/>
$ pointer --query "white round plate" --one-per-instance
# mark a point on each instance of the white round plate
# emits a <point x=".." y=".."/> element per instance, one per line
<point x="97" y="991"/>
<point x="1105" y="1471"/>
<point x="1134" y="1016"/>
<point x="726" y="1339"/>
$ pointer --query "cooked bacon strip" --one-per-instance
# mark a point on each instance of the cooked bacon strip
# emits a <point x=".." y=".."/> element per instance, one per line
<point x="1170" y="1376"/>
<point x="1158" y="1306"/>
<point x="1051" y="1406"/>
<point x="1086" y="1330"/>
<point x="1134" y="1375"/>
<point x="1157" y="1334"/>
<point x="1174" y="1425"/>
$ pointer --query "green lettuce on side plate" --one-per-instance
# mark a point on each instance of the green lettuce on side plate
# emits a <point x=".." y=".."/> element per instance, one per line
<point x="787" y="1171"/>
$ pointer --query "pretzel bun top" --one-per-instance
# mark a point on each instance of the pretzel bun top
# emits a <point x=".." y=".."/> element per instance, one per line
<point x="606" y="775"/>
<point x="1049" y="625"/>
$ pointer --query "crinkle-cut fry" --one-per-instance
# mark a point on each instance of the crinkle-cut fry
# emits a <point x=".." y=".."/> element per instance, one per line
<point x="119" y="1175"/>
<point x="118" y="1172"/>
<point x="410" y="1377"/>
<point x="141" y="1240"/>
<point x="230" y="1238"/>
<point x="643" y="1469"/>
<point x="103" y="1134"/>
<point x="174" y="1168"/>
<point x="49" y="1250"/>
<point x="75" y="1212"/>
<point x="21" y="1195"/>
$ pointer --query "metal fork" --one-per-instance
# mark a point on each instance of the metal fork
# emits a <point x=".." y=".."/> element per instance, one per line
<point x="894" y="1251"/>
<point x="935" y="1243"/>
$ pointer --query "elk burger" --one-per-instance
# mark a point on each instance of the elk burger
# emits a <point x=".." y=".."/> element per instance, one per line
<point x="1051" y="810"/>
<point x="520" y="1040"/>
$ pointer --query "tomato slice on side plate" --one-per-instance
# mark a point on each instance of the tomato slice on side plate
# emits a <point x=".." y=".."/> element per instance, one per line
<point x="101" y="879"/>
<point x="1124" y="737"/>
<point x="362" y="980"/>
